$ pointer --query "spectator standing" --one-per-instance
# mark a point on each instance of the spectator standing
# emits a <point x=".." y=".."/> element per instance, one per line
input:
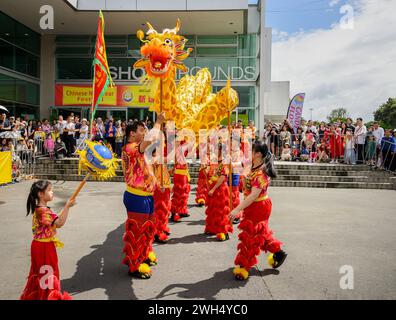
<point x="119" y="138"/>
<point x="349" y="146"/>
<point x="68" y="131"/>
<point x="360" y="139"/>
<point x="110" y="134"/>
<point x="4" y="123"/>
<point x="30" y="130"/>
<point x="304" y="126"/>
<point x="370" y="148"/>
<point x="46" y="127"/>
<point x="61" y="128"/>
<point x="388" y="147"/>
<point x="100" y="130"/>
<point x="349" y="125"/>
<point x="378" y="133"/>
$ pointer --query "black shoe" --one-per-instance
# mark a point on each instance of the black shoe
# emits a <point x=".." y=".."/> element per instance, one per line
<point x="184" y="215"/>
<point x="279" y="258"/>
<point x="236" y="221"/>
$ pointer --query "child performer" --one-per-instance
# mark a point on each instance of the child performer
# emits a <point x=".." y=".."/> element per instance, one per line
<point x="181" y="185"/>
<point x="218" y="208"/>
<point x="162" y="202"/>
<point x="202" y="187"/>
<point x="43" y="280"/>
<point x="255" y="234"/>
<point x="138" y="200"/>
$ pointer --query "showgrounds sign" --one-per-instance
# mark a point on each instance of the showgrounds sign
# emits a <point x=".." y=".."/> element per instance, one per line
<point x="218" y="73"/>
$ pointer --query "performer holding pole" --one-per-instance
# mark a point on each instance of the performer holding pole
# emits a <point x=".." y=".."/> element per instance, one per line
<point x="138" y="199"/>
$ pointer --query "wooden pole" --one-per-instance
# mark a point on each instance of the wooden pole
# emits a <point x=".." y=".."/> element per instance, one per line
<point x="80" y="186"/>
<point x="230" y="171"/>
<point x="161" y="151"/>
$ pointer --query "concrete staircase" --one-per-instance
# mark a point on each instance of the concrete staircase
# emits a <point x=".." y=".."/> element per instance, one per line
<point x="289" y="174"/>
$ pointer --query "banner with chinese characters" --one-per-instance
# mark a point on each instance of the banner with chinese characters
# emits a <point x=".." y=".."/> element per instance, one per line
<point x="117" y="96"/>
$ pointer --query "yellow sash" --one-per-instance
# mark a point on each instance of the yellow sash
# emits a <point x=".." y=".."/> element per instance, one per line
<point x="261" y="198"/>
<point x="183" y="172"/>
<point x="138" y="192"/>
<point x="55" y="240"/>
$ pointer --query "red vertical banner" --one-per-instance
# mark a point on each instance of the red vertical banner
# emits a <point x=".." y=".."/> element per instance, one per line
<point x="102" y="78"/>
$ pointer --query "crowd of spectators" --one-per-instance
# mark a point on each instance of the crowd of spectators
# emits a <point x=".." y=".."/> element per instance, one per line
<point x="346" y="142"/>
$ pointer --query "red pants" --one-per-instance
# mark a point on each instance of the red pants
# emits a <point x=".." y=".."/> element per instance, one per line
<point x="138" y="239"/>
<point x="255" y="234"/>
<point x="43" y="281"/>
<point x="162" y="206"/>
<point x="180" y="193"/>
<point x="218" y="210"/>
<point x="202" y="188"/>
<point x="235" y="200"/>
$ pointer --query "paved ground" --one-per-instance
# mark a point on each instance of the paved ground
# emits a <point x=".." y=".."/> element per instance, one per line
<point x="323" y="229"/>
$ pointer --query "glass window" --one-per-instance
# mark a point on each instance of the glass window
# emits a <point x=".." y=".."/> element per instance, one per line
<point x="75" y="39"/>
<point x="217" y="40"/>
<point x="27" y="92"/>
<point x="7" y="27"/>
<point x="27" y="63"/>
<point x="7" y="55"/>
<point x="116" y="40"/>
<point x="27" y="38"/>
<point x="247" y="45"/>
<point x="75" y="50"/>
<point x="74" y="68"/>
<point x="217" y="51"/>
<point x="7" y="87"/>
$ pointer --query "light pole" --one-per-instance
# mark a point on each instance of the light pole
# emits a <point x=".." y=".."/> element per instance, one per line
<point x="311" y="112"/>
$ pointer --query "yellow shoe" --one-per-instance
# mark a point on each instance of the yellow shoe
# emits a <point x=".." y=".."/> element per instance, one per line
<point x="241" y="273"/>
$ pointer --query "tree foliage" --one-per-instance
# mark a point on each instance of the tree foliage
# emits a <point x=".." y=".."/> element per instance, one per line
<point x="386" y="114"/>
<point x="338" y="114"/>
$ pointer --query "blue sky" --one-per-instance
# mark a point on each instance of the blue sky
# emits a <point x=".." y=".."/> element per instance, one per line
<point x="337" y="59"/>
<point x="293" y="16"/>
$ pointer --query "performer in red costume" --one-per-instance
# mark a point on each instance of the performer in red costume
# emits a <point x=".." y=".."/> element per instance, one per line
<point x="162" y="203"/>
<point x="218" y="209"/>
<point x="202" y="187"/>
<point x="181" y="185"/>
<point x="255" y="233"/>
<point x="140" y="226"/>
<point x="43" y="281"/>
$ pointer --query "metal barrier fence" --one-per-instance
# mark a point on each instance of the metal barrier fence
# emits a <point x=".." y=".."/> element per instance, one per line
<point x="329" y="148"/>
<point x="23" y="165"/>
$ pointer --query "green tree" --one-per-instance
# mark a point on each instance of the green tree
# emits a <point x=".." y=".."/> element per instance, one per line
<point x="386" y="114"/>
<point x="338" y="114"/>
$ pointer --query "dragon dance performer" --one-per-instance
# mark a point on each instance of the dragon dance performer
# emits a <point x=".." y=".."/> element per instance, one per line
<point x="181" y="185"/>
<point x="162" y="203"/>
<point x="202" y="186"/>
<point x="138" y="200"/>
<point x="235" y="196"/>
<point x="218" y="206"/>
<point x="255" y="233"/>
<point x="43" y="281"/>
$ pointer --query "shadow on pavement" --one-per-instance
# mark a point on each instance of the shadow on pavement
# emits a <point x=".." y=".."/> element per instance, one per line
<point x="192" y="238"/>
<point x="209" y="288"/>
<point x="102" y="268"/>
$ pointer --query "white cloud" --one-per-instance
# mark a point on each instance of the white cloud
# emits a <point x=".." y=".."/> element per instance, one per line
<point x="355" y="69"/>
<point x="333" y="3"/>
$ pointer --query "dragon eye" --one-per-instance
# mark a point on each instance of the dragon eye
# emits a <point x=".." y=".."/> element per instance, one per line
<point x="168" y="42"/>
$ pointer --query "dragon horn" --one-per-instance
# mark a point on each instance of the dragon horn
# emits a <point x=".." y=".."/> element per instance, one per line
<point x="151" y="29"/>
<point x="177" y="28"/>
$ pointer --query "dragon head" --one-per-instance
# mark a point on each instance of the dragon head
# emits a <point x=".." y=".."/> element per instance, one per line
<point x="162" y="52"/>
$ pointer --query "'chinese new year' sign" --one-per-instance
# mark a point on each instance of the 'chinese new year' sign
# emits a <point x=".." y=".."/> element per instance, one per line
<point x="117" y="96"/>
